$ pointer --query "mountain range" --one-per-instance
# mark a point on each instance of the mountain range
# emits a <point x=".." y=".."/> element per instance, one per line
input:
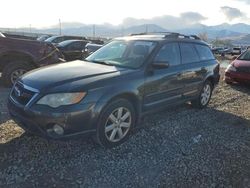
<point x="237" y="33"/>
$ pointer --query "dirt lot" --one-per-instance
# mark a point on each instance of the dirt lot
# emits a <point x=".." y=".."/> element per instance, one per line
<point x="180" y="147"/>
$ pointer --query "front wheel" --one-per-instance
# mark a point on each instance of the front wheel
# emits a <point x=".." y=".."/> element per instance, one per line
<point x="204" y="96"/>
<point x="115" y="123"/>
<point x="13" y="71"/>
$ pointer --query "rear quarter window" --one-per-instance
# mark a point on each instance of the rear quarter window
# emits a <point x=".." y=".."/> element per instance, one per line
<point x="188" y="53"/>
<point x="204" y="52"/>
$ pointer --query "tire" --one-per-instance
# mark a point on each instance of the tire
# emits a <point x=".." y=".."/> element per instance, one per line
<point x="228" y="82"/>
<point x="204" y="97"/>
<point x="12" y="70"/>
<point x="112" y="130"/>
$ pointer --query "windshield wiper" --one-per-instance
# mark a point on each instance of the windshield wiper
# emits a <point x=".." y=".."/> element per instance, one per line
<point x="100" y="62"/>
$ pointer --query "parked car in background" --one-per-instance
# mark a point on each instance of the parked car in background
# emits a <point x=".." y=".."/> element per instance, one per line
<point x="217" y="50"/>
<point x="58" y="39"/>
<point x="43" y="37"/>
<point x="221" y="50"/>
<point x="17" y="56"/>
<point x="239" y="69"/>
<point x="90" y="48"/>
<point x="72" y="49"/>
<point x="236" y="51"/>
<point x="106" y="95"/>
<point x="226" y="51"/>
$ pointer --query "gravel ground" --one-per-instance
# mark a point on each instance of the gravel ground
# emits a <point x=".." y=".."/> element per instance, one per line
<point x="180" y="147"/>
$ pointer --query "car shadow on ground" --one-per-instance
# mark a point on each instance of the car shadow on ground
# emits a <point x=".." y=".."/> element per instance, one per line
<point x="180" y="147"/>
<point x="242" y="87"/>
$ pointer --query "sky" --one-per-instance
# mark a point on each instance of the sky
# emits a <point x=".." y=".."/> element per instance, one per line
<point x="45" y="13"/>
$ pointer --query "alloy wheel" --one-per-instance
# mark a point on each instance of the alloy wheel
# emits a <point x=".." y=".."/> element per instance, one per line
<point x="205" y="95"/>
<point x="16" y="74"/>
<point x="118" y="124"/>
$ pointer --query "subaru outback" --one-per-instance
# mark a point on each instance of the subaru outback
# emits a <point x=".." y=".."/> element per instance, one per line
<point x="106" y="95"/>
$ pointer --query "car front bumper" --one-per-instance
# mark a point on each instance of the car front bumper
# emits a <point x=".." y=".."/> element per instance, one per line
<point x="237" y="77"/>
<point x="76" y="120"/>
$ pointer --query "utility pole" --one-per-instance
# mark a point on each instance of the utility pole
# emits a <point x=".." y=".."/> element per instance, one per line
<point x="146" y="28"/>
<point x="122" y="31"/>
<point x="60" y="27"/>
<point x="94" y="31"/>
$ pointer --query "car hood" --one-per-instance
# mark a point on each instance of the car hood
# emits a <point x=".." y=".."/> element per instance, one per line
<point x="67" y="73"/>
<point x="241" y="63"/>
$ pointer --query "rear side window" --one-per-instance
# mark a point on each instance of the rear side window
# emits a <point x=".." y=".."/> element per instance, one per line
<point x="188" y="53"/>
<point x="169" y="53"/>
<point x="204" y="52"/>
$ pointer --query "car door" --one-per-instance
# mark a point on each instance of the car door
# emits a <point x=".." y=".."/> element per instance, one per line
<point x="163" y="86"/>
<point x="193" y="70"/>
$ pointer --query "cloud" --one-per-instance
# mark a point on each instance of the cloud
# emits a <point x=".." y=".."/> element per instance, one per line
<point x="169" y="22"/>
<point x="192" y="17"/>
<point x="246" y="1"/>
<point x="232" y="13"/>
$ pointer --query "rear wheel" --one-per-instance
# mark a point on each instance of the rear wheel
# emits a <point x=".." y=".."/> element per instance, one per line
<point x="204" y="96"/>
<point x="13" y="71"/>
<point x="115" y="123"/>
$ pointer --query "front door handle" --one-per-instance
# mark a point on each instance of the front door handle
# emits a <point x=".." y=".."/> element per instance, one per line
<point x="203" y="70"/>
<point x="179" y="76"/>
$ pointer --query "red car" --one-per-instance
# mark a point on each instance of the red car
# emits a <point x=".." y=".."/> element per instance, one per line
<point x="239" y="69"/>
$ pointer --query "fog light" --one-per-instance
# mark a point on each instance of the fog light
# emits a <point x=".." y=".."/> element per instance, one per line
<point x="58" y="129"/>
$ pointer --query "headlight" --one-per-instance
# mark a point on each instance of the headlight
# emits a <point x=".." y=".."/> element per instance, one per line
<point x="231" y="68"/>
<point x="61" y="99"/>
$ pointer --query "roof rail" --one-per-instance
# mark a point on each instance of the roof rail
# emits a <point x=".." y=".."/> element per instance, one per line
<point x="169" y="35"/>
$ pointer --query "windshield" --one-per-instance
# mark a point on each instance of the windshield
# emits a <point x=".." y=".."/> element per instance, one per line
<point x="245" y="56"/>
<point x="50" y="39"/>
<point x="129" y="54"/>
<point x="65" y="43"/>
<point x="2" y="35"/>
<point x="42" y="38"/>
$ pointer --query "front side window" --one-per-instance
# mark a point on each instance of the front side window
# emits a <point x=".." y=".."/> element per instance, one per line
<point x="130" y="54"/>
<point x="169" y="53"/>
<point x="204" y="52"/>
<point x="75" y="46"/>
<point x="188" y="53"/>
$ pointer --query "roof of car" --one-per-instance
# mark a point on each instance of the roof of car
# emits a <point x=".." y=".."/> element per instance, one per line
<point x="163" y="37"/>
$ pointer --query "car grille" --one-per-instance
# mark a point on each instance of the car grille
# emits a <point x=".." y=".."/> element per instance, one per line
<point x="21" y="95"/>
<point x="244" y="69"/>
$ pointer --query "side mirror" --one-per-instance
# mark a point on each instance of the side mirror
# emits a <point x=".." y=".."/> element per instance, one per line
<point x="160" y="65"/>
